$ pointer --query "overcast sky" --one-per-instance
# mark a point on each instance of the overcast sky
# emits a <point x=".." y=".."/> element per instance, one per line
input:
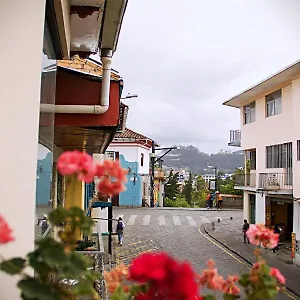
<point x="185" y="58"/>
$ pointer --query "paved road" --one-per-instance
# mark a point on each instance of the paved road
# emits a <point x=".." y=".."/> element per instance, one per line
<point x="180" y="233"/>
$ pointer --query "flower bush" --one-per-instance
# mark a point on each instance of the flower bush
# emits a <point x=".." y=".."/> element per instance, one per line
<point x="154" y="275"/>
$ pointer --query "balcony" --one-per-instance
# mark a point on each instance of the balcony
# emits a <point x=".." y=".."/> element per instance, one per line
<point x="245" y="180"/>
<point x="275" y="181"/>
<point x="235" y="138"/>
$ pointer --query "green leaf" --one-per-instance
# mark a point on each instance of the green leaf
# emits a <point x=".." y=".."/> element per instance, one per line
<point x="119" y="294"/>
<point x="13" y="266"/>
<point x="41" y="269"/>
<point x="34" y="289"/>
<point x="58" y="215"/>
<point x="209" y="297"/>
<point x="52" y="252"/>
<point x="230" y="297"/>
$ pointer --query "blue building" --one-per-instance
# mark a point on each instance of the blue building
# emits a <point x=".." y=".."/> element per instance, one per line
<point x="133" y="150"/>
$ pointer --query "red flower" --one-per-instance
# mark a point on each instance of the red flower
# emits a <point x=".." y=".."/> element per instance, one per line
<point x="114" y="177"/>
<point x="79" y="163"/>
<point x="5" y="232"/>
<point x="167" y="278"/>
<point x="276" y="273"/>
<point x="260" y="234"/>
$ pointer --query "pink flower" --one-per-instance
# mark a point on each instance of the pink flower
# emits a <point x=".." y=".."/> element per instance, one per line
<point x="113" y="177"/>
<point x="259" y="234"/>
<point x="5" y="232"/>
<point x="274" y="272"/>
<point x="78" y="163"/>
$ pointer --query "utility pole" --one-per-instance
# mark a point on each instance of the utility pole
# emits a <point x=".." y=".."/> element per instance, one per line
<point x="152" y="175"/>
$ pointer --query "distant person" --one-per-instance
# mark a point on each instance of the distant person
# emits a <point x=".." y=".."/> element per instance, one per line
<point x="246" y="227"/>
<point x="208" y="201"/>
<point x="120" y="231"/>
<point x="219" y="200"/>
<point x="211" y="200"/>
<point x="44" y="225"/>
<point x="277" y="231"/>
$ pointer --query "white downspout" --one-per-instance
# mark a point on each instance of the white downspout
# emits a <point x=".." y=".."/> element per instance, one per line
<point x="106" y="56"/>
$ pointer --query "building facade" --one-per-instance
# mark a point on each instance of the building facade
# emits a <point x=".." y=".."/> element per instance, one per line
<point x="270" y="138"/>
<point x="38" y="109"/>
<point x="133" y="150"/>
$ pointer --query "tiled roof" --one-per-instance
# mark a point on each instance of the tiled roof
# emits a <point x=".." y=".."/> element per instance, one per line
<point x="87" y="66"/>
<point x="130" y="134"/>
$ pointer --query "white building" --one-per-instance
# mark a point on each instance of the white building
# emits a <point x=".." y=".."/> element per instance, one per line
<point x="208" y="177"/>
<point x="133" y="151"/>
<point x="270" y="138"/>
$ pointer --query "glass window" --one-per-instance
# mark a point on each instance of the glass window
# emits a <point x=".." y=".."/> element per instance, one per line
<point x="273" y="104"/>
<point x="249" y="113"/>
<point x="279" y="156"/>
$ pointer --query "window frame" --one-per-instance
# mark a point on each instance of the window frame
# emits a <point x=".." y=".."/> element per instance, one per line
<point x="249" y="112"/>
<point x="275" y="100"/>
<point x="142" y="159"/>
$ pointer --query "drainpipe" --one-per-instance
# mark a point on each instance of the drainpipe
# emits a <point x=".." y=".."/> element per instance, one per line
<point x="106" y="56"/>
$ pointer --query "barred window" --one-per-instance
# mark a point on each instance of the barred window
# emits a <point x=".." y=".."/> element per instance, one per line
<point x="249" y="113"/>
<point x="273" y="104"/>
<point x="298" y="150"/>
<point x="279" y="156"/>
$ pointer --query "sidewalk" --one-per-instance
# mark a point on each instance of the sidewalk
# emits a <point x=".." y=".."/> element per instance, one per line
<point x="229" y="234"/>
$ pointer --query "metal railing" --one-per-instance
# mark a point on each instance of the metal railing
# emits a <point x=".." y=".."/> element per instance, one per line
<point x="275" y="181"/>
<point x="235" y="138"/>
<point x="248" y="179"/>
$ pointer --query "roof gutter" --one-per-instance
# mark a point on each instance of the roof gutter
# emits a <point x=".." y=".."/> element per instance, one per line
<point x="106" y="59"/>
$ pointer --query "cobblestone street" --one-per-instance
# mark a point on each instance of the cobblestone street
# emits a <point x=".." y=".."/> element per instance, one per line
<point x="181" y="233"/>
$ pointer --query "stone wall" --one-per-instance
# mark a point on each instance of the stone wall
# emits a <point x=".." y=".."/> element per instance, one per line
<point x="232" y="201"/>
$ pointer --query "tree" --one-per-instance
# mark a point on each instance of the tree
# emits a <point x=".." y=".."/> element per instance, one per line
<point x="200" y="193"/>
<point x="171" y="187"/>
<point x="188" y="189"/>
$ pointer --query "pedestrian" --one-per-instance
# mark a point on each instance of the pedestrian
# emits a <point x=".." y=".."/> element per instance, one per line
<point x="211" y="200"/>
<point x="219" y="200"/>
<point x="44" y="225"/>
<point x="120" y="231"/>
<point x="208" y="201"/>
<point x="246" y="226"/>
<point x="277" y="231"/>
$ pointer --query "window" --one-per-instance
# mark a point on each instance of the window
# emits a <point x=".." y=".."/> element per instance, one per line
<point x="298" y="150"/>
<point x="249" y="113"/>
<point x="252" y="160"/>
<point x="142" y="159"/>
<point x="279" y="156"/>
<point x="273" y="104"/>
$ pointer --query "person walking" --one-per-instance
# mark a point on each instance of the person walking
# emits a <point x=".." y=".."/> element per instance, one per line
<point x="44" y="225"/>
<point x="277" y="231"/>
<point x="246" y="226"/>
<point x="120" y="231"/>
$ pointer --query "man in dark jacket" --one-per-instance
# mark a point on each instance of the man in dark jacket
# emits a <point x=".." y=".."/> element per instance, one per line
<point x="246" y="226"/>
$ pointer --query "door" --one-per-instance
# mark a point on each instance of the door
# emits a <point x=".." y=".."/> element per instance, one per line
<point x="252" y="208"/>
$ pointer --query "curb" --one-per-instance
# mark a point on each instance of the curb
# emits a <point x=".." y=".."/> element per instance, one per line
<point x="177" y="208"/>
<point x="244" y="258"/>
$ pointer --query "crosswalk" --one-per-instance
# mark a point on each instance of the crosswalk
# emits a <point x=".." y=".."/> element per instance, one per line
<point x="165" y="220"/>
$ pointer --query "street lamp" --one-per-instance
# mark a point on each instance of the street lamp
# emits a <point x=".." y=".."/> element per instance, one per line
<point x="130" y="96"/>
<point x="216" y="174"/>
<point x="153" y="161"/>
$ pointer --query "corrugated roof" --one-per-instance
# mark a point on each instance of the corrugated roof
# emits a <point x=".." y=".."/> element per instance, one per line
<point x="86" y="66"/>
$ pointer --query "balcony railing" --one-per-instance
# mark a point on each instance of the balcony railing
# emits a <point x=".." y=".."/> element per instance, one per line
<point x="275" y="181"/>
<point x="235" y="138"/>
<point x="248" y="179"/>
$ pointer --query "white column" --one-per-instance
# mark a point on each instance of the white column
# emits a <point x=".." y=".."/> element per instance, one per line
<point x="260" y="208"/>
<point x="246" y="208"/>
<point x="22" y="24"/>
<point x="296" y="229"/>
<point x="161" y="202"/>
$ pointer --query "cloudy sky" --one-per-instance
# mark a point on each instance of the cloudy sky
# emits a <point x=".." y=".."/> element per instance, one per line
<point x="185" y="58"/>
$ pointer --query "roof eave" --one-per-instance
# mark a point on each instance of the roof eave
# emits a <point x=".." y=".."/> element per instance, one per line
<point x="266" y="86"/>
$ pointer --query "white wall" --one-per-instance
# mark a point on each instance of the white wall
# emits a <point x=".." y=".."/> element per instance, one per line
<point x="145" y="168"/>
<point x="296" y="164"/>
<point x="20" y="76"/>
<point x="133" y="153"/>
